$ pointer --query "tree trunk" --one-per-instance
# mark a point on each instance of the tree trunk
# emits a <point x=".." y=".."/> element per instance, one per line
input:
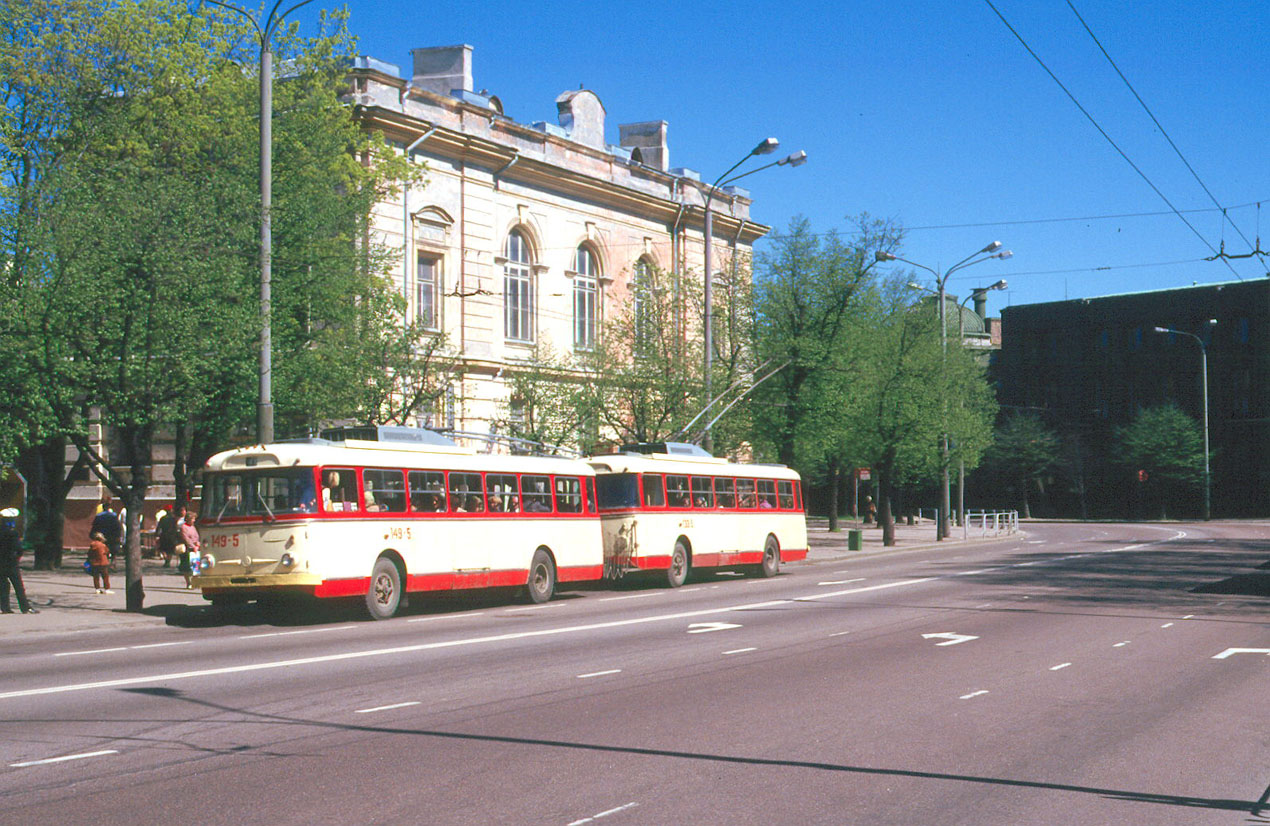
<point x="884" y="503"/>
<point x="44" y="466"/>
<point x="835" y="477"/>
<point x="139" y="440"/>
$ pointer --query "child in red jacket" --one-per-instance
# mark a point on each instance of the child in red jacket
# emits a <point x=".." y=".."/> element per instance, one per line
<point x="99" y="563"/>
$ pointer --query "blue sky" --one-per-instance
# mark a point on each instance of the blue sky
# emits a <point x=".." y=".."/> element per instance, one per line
<point x="930" y="113"/>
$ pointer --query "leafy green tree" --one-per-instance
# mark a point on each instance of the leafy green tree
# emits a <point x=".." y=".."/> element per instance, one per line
<point x="547" y="404"/>
<point x="1025" y="451"/>
<point x="1169" y="446"/>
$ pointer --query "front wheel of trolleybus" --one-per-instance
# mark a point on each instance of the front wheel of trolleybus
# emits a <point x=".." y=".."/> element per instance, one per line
<point x="384" y="597"/>
<point x="677" y="573"/>
<point x="542" y="578"/>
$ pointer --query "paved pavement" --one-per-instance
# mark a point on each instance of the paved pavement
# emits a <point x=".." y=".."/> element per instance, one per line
<point x="68" y="603"/>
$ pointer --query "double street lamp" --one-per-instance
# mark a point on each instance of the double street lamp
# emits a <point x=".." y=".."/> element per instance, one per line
<point x="1203" y="367"/>
<point x="988" y="253"/>
<point x="765" y="147"/>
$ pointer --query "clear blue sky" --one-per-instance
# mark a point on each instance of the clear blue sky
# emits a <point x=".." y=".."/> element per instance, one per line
<point x="931" y="113"/>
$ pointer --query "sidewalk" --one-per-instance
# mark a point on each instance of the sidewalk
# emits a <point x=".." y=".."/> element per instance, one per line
<point x="68" y="604"/>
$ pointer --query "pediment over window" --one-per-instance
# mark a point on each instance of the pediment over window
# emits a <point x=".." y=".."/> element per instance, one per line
<point x="432" y="223"/>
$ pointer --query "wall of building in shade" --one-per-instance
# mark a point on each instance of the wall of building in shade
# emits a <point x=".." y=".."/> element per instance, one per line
<point x="1087" y="366"/>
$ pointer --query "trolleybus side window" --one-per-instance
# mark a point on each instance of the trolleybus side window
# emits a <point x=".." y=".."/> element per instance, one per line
<point x="654" y="492"/>
<point x="677" y="495"/>
<point x="339" y="489"/>
<point x="385" y="490"/>
<point x="466" y="495"/>
<point x="724" y="492"/>
<point x="702" y="495"/>
<point x="617" y="491"/>
<point x="536" y="493"/>
<point x="502" y="492"/>
<point x="798" y="495"/>
<point x="592" y="507"/>
<point x="786" y="494"/>
<point x="766" y="494"/>
<point x="427" y="491"/>
<point x="745" y="494"/>
<point x="568" y="494"/>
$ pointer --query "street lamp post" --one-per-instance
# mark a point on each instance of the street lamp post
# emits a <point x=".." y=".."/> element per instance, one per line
<point x="1203" y="367"/>
<point x="990" y="252"/>
<point x="766" y="146"/>
<point x="265" y="32"/>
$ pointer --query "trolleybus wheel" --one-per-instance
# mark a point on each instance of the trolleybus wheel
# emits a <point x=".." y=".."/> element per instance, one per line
<point x="542" y="578"/>
<point x="677" y="573"/>
<point x="771" y="564"/>
<point x="384" y="596"/>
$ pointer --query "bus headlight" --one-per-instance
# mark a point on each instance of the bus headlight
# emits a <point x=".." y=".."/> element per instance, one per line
<point x="287" y="560"/>
<point x="206" y="562"/>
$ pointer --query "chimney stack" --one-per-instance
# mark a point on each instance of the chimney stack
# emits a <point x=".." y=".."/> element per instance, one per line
<point x="443" y="69"/>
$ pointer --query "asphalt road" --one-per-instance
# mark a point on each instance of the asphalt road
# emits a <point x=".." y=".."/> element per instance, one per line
<point x="1081" y="674"/>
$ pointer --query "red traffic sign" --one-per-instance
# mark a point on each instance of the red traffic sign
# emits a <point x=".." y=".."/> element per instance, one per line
<point x="864" y="474"/>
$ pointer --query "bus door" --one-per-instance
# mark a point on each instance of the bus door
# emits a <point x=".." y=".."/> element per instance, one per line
<point x="470" y="537"/>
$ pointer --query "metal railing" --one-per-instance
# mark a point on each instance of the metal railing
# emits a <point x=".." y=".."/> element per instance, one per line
<point x="990" y="523"/>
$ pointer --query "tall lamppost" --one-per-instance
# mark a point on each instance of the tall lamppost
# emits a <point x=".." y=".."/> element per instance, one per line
<point x="1203" y="368"/>
<point x="989" y="252"/>
<point x="265" y="32"/>
<point x="766" y="146"/>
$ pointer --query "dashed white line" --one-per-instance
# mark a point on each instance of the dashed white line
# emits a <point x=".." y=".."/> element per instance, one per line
<point x="62" y="759"/>
<point x="1059" y="667"/>
<point x="740" y="650"/>
<point x="162" y="644"/>
<point x="1121" y="644"/>
<point x="302" y="631"/>
<point x="974" y="694"/>
<point x="536" y="607"/>
<point x="1167" y="625"/>
<point x="600" y="673"/>
<point x="1188" y="616"/>
<point x="386" y="708"/>
<point x="839" y="633"/>
<point x="603" y="814"/>
<point x="841" y="581"/>
<point x="633" y="596"/>
<point x="95" y="651"/>
<point x="446" y="616"/>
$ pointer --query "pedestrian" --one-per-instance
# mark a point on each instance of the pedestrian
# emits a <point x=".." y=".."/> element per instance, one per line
<point x="193" y="548"/>
<point x="108" y="525"/>
<point x="170" y="533"/>
<point x="99" y="563"/>
<point x="10" y="573"/>
<point x="870" y="510"/>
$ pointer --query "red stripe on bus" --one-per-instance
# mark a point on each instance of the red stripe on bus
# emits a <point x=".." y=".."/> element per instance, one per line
<point x="579" y="573"/>
<point x="355" y="587"/>
<point x="793" y="554"/>
<point x="651" y="562"/>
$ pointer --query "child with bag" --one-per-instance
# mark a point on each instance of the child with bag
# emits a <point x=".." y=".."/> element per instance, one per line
<point x="98" y="563"/>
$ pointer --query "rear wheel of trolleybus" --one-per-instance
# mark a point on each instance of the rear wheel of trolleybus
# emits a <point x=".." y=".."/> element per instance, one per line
<point x="677" y="573"/>
<point x="384" y="597"/>
<point x="771" y="564"/>
<point x="542" y="578"/>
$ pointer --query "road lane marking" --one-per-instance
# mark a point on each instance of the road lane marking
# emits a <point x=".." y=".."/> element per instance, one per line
<point x="707" y="627"/>
<point x="1188" y="616"/>
<point x="1229" y="651"/>
<point x="1059" y="667"/>
<point x="386" y="708"/>
<point x="842" y="581"/>
<point x="161" y="644"/>
<point x="95" y="651"/>
<point x="974" y="694"/>
<point x="1167" y="625"/>
<point x="740" y="650"/>
<point x="535" y="607"/>
<point x="301" y="631"/>
<point x="1121" y="644"/>
<point x="839" y="633"/>
<point x="634" y="596"/>
<point x="952" y="639"/>
<point x="600" y="673"/>
<point x="48" y="760"/>
<point x="447" y="616"/>
<point x="605" y="813"/>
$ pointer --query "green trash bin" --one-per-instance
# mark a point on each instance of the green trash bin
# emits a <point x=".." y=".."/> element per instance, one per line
<point x="855" y="539"/>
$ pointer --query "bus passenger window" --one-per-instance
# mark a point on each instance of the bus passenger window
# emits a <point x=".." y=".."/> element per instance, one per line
<point x="745" y="494"/>
<point x="766" y="494"/>
<point x="385" y="490"/>
<point x="501" y="491"/>
<point x="536" y="494"/>
<point x="654" y="493"/>
<point x="568" y="494"/>
<point x="724" y="492"/>
<point x="339" y="490"/>
<point x="702" y="494"/>
<point x="427" y="491"/>
<point x="786" y="494"/>
<point x="677" y="495"/>
<point x="465" y="493"/>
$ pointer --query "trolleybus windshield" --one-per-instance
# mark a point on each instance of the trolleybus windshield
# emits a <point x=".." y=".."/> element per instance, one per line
<point x="266" y="493"/>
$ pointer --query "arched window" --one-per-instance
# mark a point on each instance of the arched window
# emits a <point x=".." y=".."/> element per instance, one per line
<point x="518" y="289"/>
<point x="585" y="298"/>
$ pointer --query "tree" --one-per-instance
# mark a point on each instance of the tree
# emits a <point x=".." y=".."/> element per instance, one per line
<point x="1025" y="450"/>
<point x="547" y="404"/>
<point x="1168" y="446"/>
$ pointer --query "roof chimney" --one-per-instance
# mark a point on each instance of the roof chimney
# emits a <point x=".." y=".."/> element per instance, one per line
<point x="647" y="142"/>
<point x="443" y="69"/>
<point x="582" y="116"/>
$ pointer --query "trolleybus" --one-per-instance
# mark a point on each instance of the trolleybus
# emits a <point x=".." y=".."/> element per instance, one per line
<point x="672" y="507"/>
<point x="396" y="511"/>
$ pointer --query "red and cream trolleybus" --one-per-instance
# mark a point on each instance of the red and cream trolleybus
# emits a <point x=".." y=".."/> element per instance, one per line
<point x="382" y="512"/>
<point x="672" y="507"/>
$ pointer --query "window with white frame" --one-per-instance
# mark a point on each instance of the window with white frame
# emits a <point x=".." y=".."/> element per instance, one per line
<point x="518" y="289"/>
<point x="427" y="291"/>
<point x="585" y="295"/>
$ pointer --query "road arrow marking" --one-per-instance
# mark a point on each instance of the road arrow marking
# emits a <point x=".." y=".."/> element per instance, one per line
<point x="952" y="638"/>
<point x="1229" y="651"/>
<point x="707" y="627"/>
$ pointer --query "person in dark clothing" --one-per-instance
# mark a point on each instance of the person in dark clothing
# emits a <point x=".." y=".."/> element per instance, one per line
<point x="170" y="533"/>
<point x="108" y="525"/>
<point x="10" y="573"/>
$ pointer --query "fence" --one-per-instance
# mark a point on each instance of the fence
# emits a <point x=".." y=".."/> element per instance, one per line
<point x="990" y="523"/>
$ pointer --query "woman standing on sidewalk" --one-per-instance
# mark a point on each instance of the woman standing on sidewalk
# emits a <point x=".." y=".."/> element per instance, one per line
<point x="192" y="545"/>
<point x="99" y="563"/>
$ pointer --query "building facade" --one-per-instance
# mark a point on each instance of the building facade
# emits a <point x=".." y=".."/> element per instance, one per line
<point x="1087" y="366"/>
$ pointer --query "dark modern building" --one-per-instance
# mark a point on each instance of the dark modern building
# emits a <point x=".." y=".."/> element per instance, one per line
<point x="1087" y="366"/>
